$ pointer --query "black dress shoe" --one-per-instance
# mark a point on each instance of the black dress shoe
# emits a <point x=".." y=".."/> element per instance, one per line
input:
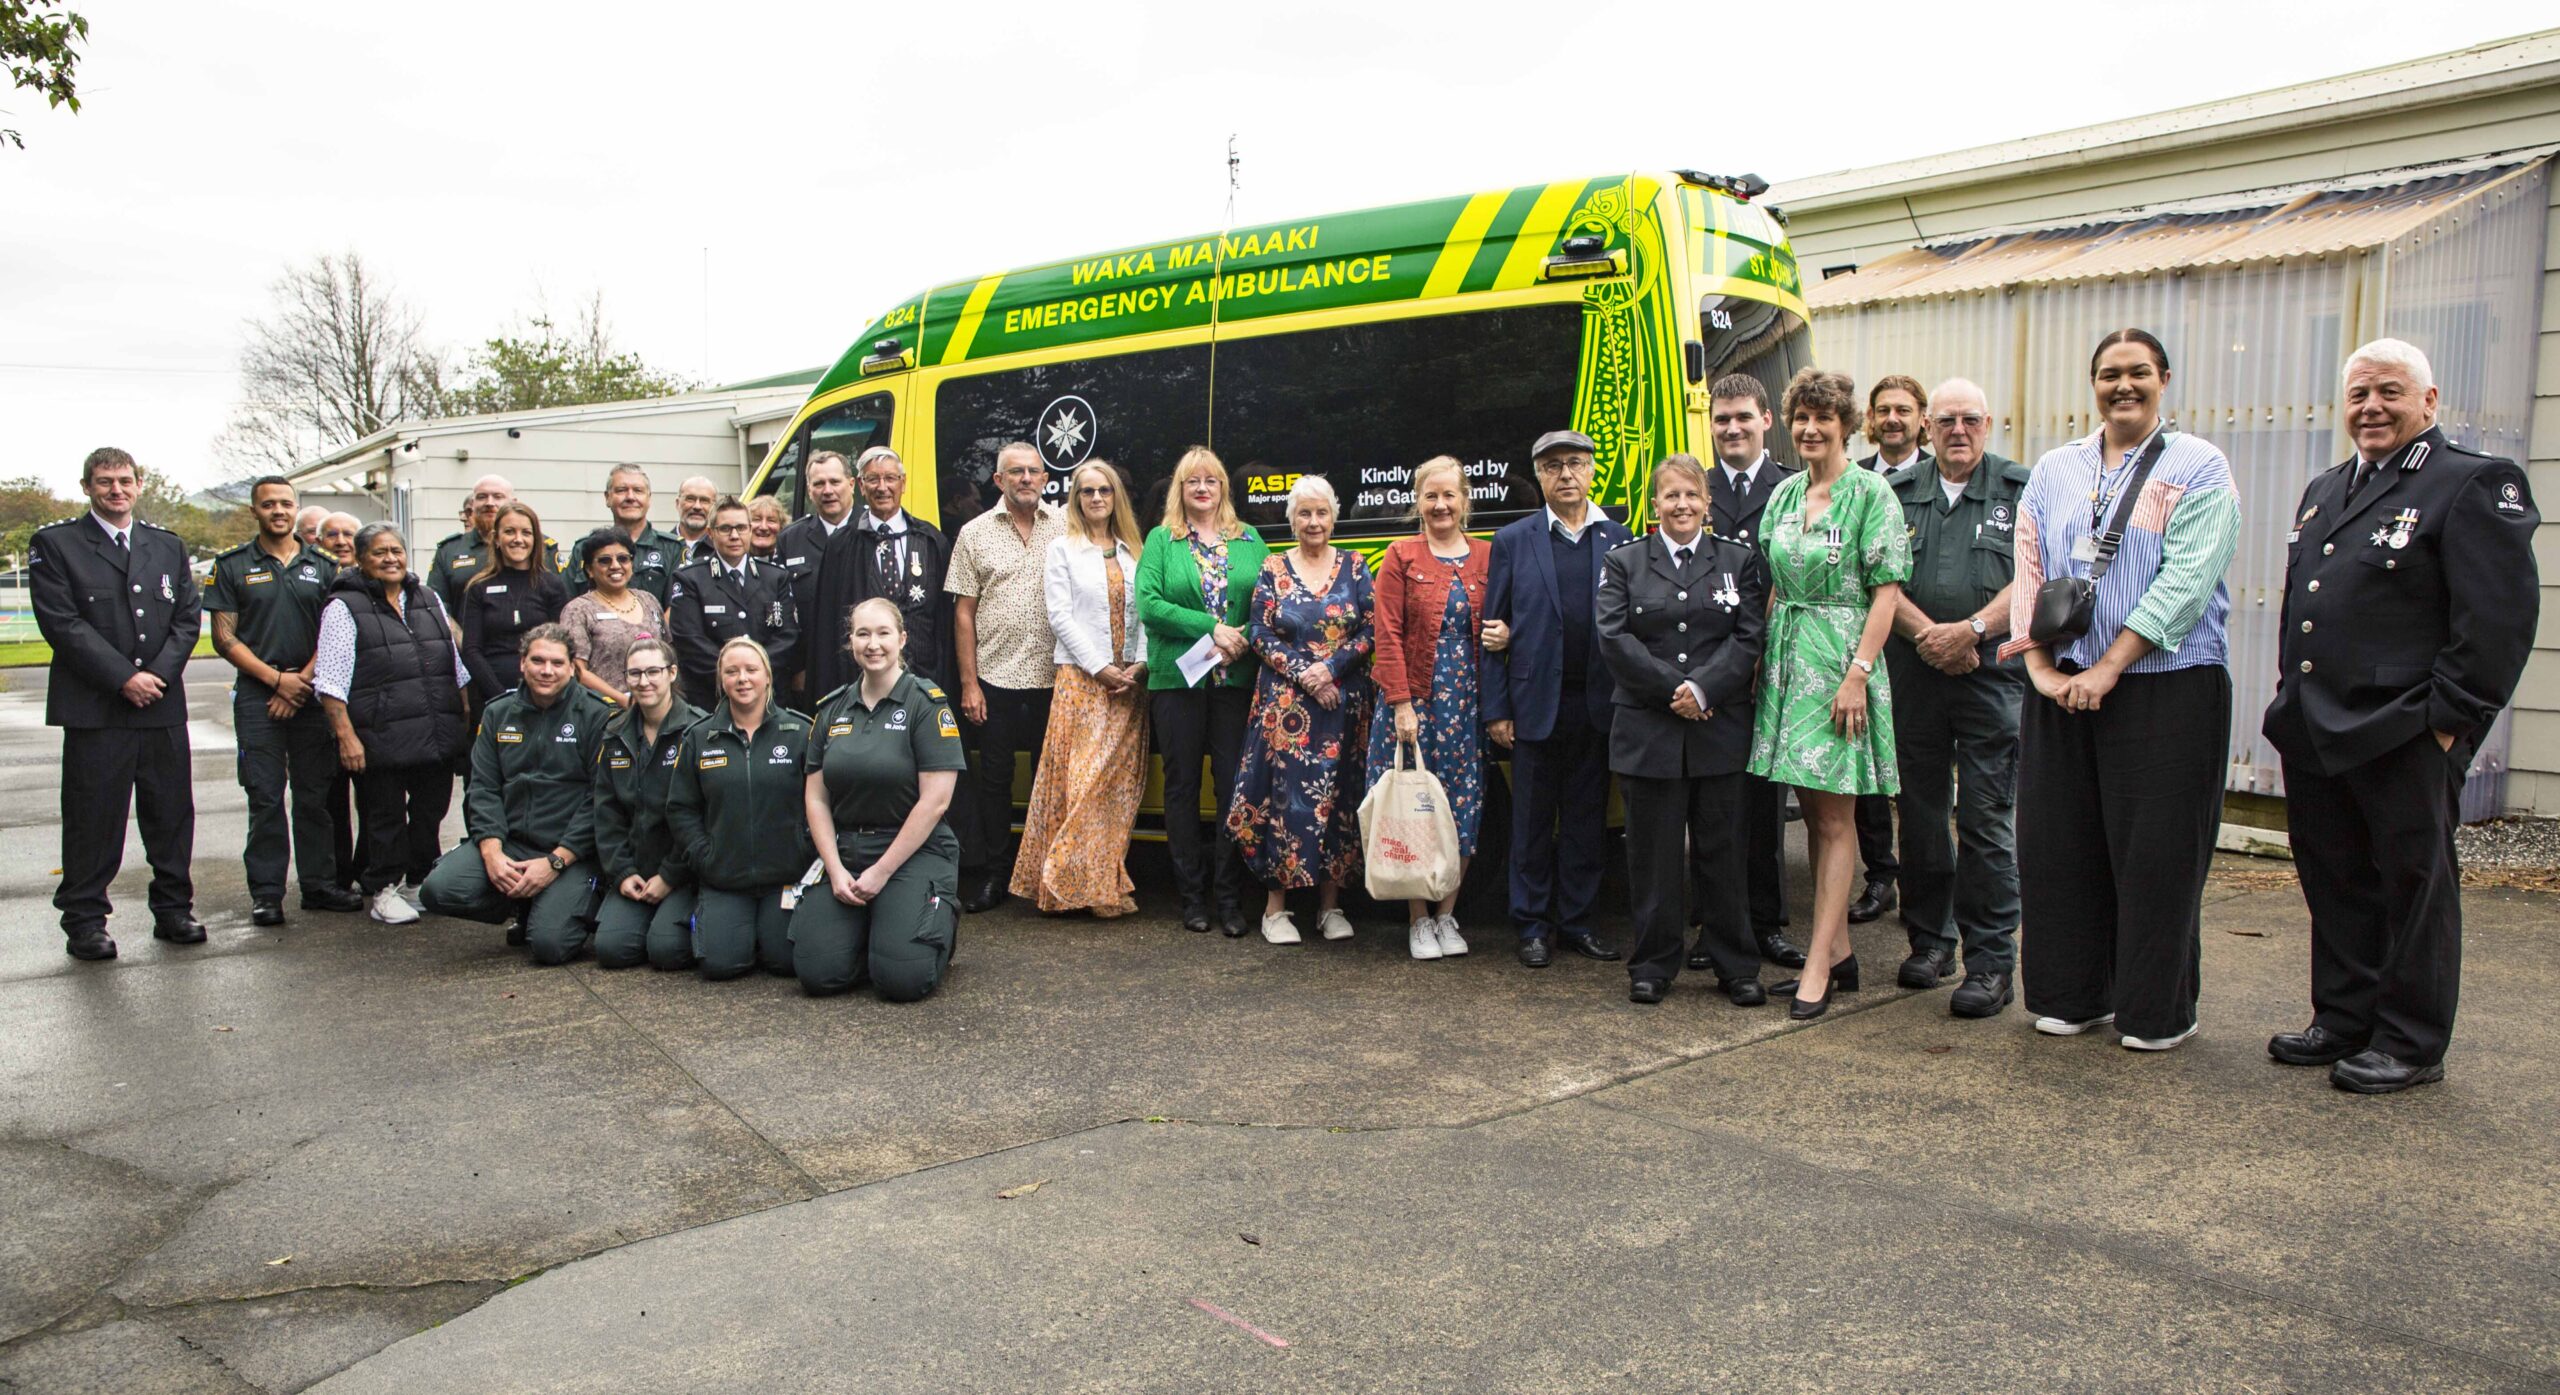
<point x="1196" y="921"/>
<point x="2381" y="1073"/>
<point x="266" y="913"/>
<point x="986" y="898"/>
<point x="1877" y="899"/>
<point x="1232" y="924"/>
<point x="1700" y="959"/>
<point x="1844" y="977"/>
<point x="516" y="933"/>
<point x="184" y="930"/>
<point x="1926" y="968"/>
<point x="1536" y="953"/>
<point x="1798" y="1010"/>
<point x="89" y="942"/>
<point x="1981" y="995"/>
<point x="1589" y="947"/>
<point x="2313" y="1046"/>
<point x="1647" y="990"/>
<point x="1775" y="949"/>
<point x="1745" y="992"/>
<point x="331" y="898"/>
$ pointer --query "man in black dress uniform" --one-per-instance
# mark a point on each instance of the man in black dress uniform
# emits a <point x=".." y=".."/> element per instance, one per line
<point x="726" y="595"/>
<point x="801" y="550"/>
<point x="265" y="602"/>
<point x="114" y="597"/>
<point x="887" y="553"/>
<point x="2410" y="598"/>
<point x="1740" y="485"/>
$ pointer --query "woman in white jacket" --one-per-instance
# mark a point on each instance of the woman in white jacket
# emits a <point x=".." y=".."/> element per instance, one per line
<point x="1093" y="767"/>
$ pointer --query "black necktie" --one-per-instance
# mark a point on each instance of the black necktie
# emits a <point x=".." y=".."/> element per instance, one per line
<point x="2365" y="471"/>
<point x="1680" y="560"/>
<point x="121" y="545"/>
<point x="885" y="559"/>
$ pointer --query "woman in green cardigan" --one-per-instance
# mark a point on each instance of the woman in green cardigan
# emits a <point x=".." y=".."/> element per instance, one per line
<point x="1186" y="593"/>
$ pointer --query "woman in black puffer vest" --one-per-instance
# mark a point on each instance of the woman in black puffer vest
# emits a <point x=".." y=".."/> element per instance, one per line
<point x="390" y="677"/>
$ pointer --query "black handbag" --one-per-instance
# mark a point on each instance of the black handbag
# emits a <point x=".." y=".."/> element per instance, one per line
<point x="2065" y="605"/>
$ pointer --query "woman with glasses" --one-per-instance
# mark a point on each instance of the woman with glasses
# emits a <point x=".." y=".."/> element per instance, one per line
<point x="648" y="893"/>
<point x="1093" y="762"/>
<point x="606" y="622"/>
<point x="1195" y="582"/>
<point x="734" y="810"/>
<point x="514" y="591"/>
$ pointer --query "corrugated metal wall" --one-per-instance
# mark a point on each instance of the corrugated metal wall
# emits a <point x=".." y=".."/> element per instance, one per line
<point x="2255" y="354"/>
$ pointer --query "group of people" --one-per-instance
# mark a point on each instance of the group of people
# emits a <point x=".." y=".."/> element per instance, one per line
<point x="740" y="746"/>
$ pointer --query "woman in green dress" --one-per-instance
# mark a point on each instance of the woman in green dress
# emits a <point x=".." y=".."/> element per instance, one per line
<point x="1838" y="555"/>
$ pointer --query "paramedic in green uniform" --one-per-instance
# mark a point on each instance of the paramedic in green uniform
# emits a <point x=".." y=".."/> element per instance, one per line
<point x="883" y="760"/>
<point x="734" y="810"/>
<point x="648" y="893"/>
<point x="529" y="813"/>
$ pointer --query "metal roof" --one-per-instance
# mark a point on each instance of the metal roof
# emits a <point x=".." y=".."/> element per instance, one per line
<point x="2499" y="65"/>
<point x="2272" y="225"/>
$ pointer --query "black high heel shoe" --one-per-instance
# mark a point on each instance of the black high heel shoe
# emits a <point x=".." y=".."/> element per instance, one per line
<point x="1843" y="978"/>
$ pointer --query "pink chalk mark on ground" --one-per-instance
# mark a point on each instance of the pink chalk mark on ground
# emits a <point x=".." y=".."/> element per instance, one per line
<point x="1232" y="1320"/>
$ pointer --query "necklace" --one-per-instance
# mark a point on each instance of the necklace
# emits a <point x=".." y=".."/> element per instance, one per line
<point x="628" y="609"/>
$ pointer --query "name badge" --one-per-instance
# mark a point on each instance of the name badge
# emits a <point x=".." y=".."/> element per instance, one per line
<point x="618" y="762"/>
<point x="840" y="729"/>
<point x="795" y="561"/>
<point x="2085" y="548"/>
<point x="498" y="590"/>
<point x="509" y="736"/>
<point x="712" y="761"/>
<point x="258" y="579"/>
<point x="715" y="610"/>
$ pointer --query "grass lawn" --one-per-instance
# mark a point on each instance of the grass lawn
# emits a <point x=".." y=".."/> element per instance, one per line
<point x="35" y="653"/>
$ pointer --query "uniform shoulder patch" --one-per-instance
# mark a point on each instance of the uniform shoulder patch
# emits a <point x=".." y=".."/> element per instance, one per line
<point x="943" y="723"/>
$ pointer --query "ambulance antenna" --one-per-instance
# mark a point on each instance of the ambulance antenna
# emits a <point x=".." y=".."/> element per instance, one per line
<point x="1235" y="177"/>
<point x="1218" y="282"/>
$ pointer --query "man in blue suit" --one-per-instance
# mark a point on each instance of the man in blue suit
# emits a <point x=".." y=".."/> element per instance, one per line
<point x="1546" y="700"/>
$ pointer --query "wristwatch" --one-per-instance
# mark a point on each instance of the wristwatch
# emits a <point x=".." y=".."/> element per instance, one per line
<point x="1867" y="666"/>
<point x="556" y="864"/>
<point x="1979" y="629"/>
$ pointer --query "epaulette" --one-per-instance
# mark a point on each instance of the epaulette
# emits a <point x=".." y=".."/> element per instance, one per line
<point x="154" y="527"/>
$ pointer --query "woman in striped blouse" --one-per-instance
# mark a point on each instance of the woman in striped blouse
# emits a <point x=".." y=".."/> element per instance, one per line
<point x="2125" y="740"/>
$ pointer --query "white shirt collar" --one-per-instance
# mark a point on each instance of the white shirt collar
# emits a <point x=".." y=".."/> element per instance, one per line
<point x="124" y="533"/>
<point x="1670" y="549"/>
<point x="1743" y="477"/>
<point x="1590" y="515"/>
<point x="893" y="525"/>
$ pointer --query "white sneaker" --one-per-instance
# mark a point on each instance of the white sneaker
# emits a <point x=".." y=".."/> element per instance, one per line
<point x="388" y="908"/>
<point x="2065" y="1027"/>
<point x="1280" y="929"/>
<point x="1426" y="938"/>
<point x="1452" y="944"/>
<point x="1334" y="925"/>
<point x="2133" y="1043"/>
<point x="415" y="895"/>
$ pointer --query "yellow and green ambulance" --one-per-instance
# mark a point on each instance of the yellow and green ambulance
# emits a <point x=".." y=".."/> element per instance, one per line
<point x="1353" y="345"/>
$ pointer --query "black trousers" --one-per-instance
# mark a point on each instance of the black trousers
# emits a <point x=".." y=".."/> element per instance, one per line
<point x="345" y="836"/>
<point x="2374" y="848"/>
<point x="1673" y="826"/>
<point x="1191" y="723"/>
<point x="1955" y="739"/>
<point x="2117" y="811"/>
<point x="1017" y="724"/>
<point x="108" y="774"/>
<point x="1559" y="824"/>
<point x="1875" y="838"/>
<point x="403" y="805"/>
<point x="301" y="754"/>
<point x="1764" y="852"/>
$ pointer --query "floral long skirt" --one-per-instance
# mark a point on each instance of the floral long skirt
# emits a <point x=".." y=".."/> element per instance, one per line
<point x="1093" y="772"/>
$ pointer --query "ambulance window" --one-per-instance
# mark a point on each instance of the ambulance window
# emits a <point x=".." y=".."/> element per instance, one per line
<point x="1364" y="404"/>
<point x="848" y="429"/>
<point x="1139" y="411"/>
<point x="1757" y="338"/>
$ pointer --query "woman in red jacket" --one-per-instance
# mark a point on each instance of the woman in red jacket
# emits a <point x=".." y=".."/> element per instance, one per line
<point x="1430" y="623"/>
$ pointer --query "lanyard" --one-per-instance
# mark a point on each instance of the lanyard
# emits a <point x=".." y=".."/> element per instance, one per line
<point x="2099" y="495"/>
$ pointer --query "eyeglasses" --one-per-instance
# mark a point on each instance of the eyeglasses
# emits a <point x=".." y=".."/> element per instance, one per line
<point x="1967" y="420"/>
<point x="1095" y="491"/>
<point x="651" y="674"/>
<point x="613" y="562"/>
<point x="729" y="528"/>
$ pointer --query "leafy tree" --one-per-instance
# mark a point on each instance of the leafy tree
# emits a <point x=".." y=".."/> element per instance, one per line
<point x="38" y="47"/>
<point x="29" y="504"/>
<point x="544" y="364"/>
<point x="339" y="358"/>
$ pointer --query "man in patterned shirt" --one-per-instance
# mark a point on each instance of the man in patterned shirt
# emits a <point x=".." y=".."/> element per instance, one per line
<point x="1006" y="656"/>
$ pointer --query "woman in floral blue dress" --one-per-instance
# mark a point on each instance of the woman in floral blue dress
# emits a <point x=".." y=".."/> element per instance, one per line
<point x="1838" y="554"/>
<point x="1430" y="592"/>
<point x="1296" y="816"/>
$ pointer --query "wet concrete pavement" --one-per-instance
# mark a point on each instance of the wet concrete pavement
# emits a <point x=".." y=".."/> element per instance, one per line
<point x="387" y="1159"/>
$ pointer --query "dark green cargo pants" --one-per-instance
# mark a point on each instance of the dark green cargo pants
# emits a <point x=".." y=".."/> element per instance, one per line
<point x="630" y="933"/>
<point x="901" y="942"/>
<point x="556" y="921"/>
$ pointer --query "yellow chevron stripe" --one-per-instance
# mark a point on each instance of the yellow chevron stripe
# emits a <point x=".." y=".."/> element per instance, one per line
<point x="1459" y="252"/>
<point x="1529" y="248"/>
<point x="971" y="312"/>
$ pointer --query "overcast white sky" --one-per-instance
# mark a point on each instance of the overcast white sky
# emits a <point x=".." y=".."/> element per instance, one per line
<point x="836" y="157"/>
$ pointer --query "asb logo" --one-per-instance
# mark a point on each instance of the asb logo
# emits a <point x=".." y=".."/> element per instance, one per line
<point x="1066" y="434"/>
